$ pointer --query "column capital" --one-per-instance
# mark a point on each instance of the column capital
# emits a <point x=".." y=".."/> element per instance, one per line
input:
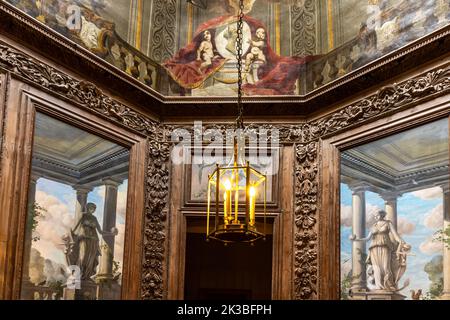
<point x="445" y="187"/>
<point x="359" y="187"/>
<point x="113" y="182"/>
<point x="80" y="188"/>
<point x="389" y="196"/>
<point x="34" y="177"/>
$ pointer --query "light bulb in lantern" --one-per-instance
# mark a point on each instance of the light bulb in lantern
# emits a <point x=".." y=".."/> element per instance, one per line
<point x="227" y="201"/>
<point x="252" y="194"/>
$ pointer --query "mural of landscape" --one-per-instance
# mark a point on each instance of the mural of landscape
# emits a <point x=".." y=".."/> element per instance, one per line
<point x="291" y="47"/>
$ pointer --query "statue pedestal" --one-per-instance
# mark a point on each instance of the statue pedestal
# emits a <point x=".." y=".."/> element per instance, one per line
<point x="107" y="287"/>
<point x="377" y="295"/>
<point x="88" y="291"/>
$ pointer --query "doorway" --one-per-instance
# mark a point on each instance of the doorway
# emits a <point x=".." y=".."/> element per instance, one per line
<point x="238" y="271"/>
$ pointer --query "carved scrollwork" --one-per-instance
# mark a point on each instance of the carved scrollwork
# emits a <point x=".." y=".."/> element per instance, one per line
<point x="82" y="92"/>
<point x="157" y="176"/>
<point x="157" y="191"/>
<point x="387" y="99"/>
<point x="305" y="135"/>
<point x="307" y="186"/>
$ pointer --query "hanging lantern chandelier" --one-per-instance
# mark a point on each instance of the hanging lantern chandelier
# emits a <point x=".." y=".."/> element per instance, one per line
<point x="233" y="189"/>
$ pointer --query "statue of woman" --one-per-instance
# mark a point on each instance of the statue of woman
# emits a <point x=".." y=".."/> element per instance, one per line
<point x="386" y="253"/>
<point x="87" y="242"/>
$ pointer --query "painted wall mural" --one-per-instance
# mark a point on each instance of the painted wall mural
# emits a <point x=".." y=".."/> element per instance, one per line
<point x="291" y="47"/>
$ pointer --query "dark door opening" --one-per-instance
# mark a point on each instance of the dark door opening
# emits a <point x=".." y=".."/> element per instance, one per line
<point x="233" y="272"/>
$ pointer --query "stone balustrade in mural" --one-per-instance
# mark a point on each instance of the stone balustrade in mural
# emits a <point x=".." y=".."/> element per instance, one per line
<point x="397" y="26"/>
<point x="80" y="22"/>
<point x="303" y="59"/>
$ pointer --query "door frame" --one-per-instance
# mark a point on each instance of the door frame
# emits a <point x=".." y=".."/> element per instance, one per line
<point x="22" y="103"/>
<point x="331" y="148"/>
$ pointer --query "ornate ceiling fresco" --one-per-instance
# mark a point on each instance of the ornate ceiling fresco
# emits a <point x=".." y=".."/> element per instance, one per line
<point x="292" y="47"/>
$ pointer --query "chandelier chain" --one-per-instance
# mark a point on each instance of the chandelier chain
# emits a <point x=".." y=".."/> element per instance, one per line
<point x="239" y="53"/>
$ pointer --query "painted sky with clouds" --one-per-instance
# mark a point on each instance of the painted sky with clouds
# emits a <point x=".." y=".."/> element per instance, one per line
<point x="420" y="215"/>
<point x="59" y="201"/>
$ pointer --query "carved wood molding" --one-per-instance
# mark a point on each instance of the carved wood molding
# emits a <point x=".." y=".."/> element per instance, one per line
<point x="306" y="217"/>
<point x="305" y="135"/>
<point x="90" y="97"/>
<point x="83" y="93"/>
<point x="157" y="191"/>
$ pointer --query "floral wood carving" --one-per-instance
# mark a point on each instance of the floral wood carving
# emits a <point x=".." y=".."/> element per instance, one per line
<point x="81" y="92"/>
<point x="157" y="190"/>
<point x="387" y="99"/>
<point x="306" y="196"/>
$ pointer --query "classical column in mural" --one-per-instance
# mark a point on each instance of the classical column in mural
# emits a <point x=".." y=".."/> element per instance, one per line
<point x="446" y="211"/>
<point x="109" y="226"/>
<point x="390" y="206"/>
<point x="359" y="230"/>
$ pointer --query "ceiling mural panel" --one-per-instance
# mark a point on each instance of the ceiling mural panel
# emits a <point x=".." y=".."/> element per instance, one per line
<point x="291" y="47"/>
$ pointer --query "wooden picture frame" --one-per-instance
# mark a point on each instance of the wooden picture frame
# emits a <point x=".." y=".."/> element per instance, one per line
<point x="331" y="148"/>
<point x="273" y="185"/>
<point x="23" y="102"/>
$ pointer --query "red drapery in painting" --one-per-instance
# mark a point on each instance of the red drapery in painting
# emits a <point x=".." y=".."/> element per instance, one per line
<point x="276" y="77"/>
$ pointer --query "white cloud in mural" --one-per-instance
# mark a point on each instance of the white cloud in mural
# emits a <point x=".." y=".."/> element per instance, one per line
<point x="52" y="226"/>
<point x="371" y="211"/>
<point x="430" y="246"/>
<point x="404" y="226"/>
<point x="434" y="219"/>
<point x="346" y="216"/>
<point x="428" y="194"/>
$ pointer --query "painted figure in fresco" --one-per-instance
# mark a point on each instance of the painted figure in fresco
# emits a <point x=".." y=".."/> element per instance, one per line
<point x="205" y="52"/>
<point x="83" y="247"/>
<point x="387" y="253"/>
<point x="277" y="76"/>
<point x="199" y="60"/>
<point x="256" y="55"/>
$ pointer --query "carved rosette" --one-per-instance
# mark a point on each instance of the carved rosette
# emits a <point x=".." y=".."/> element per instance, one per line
<point x="157" y="192"/>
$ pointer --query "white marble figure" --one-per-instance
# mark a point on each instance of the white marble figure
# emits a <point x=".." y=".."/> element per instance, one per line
<point x="387" y="254"/>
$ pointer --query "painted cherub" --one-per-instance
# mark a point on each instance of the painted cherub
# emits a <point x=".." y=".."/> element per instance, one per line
<point x="256" y="53"/>
<point x="205" y="51"/>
